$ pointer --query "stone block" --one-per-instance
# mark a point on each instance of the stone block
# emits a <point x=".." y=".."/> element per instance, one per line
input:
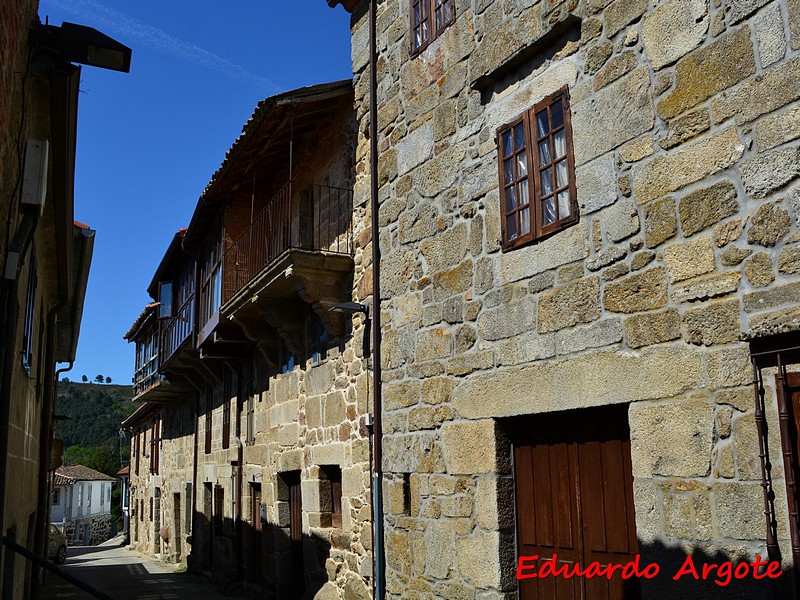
<point x="769" y="29"/>
<point x="669" y="172"/>
<point x="621" y="13"/>
<point x="621" y="220"/>
<point x="689" y="259"/>
<point x="710" y="286"/>
<point x="641" y="259"/>
<point x="400" y="394"/>
<point x="525" y="348"/>
<point x="673" y="29"/>
<point x="769" y="172"/>
<point x="794" y="22"/>
<point x="593" y="378"/>
<point x="646" y="290"/>
<point x="479" y="558"/>
<point x="596" y="184"/>
<point x="771" y="89"/>
<point x="396" y="271"/>
<point x="568" y="246"/>
<point x="428" y="417"/>
<point x="708" y="70"/>
<point x="652" y="328"/>
<point x="758" y="269"/>
<point x="445" y="250"/>
<point x="453" y="281"/>
<point x="686" y="127"/>
<point x="619" y="112"/>
<point x="469" y="447"/>
<point x="494" y="502"/>
<point x="335" y="409"/>
<point x="738" y="10"/>
<point x="436" y="390"/>
<point x="734" y="255"/>
<point x="705" y="207"/>
<point x="727" y="232"/>
<point x="564" y="306"/>
<point x="673" y="439"/>
<point x="778" y="129"/>
<point x="768" y="225"/>
<point x="619" y="65"/>
<point x="789" y="260"/>
<point x="637" y="149"/>
<point x="743" y="507"/>
<point x="440" y="548"/>
<point x="713" y="323"/>
<point x="507" y="320"/>
<point x="607" y="256"/>
<point x="434" y="343"/>
<point x="660" y="222"/>
<point x="598" y="334"/>
<point x="729" y="367"/>
<point x="597" y="55"/>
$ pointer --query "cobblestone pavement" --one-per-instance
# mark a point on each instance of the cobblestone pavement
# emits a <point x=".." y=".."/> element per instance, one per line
<point x="125" y="575"/>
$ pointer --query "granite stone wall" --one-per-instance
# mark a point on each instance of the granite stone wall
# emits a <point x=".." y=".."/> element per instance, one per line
<point x="686" y="123"/>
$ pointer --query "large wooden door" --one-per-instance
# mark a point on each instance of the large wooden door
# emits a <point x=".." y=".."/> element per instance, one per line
<point x="574" y="499"/>
<point x="296" y="531"/>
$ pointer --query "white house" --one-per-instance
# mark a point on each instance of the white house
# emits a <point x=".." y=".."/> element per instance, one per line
<point x="81" y="504"/>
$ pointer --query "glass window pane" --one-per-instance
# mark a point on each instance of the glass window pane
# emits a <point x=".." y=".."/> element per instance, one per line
<point x="560" y="140"/>
<point x="547" y="181"/>
<point x="448" y="11"/>
<point x="416" y="14"/>
<point x="511" y="199"/>
<point x="522" y="193"/>
<point x="545" y="156"/>
<point x="511" y="226"/>
<point x="519" y="136"/>
<point x="525" y="221"/>
<point x="557" y="114"/>
<point x="522" y="164"/>
<point x="425" y="31"/>
<point x="561" y="174"/>
<point x="548" y="211"/>
<point x="508" y="170"/>
<point x="542" y="125"/>
<point x="563" y="204"/>
<point x="508" y="149"/>
<point x="439" y="22"/>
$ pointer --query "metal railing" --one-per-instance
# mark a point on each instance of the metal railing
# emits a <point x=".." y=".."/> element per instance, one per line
<point x="146" y="376"/>
<point x="176" y="330"/>
<point x="305" y="216"/>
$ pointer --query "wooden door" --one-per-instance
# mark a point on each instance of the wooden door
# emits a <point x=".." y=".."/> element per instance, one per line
<point x="574" y="498"/>
<point x="296" y="531"/>
<point x="255" y="519"/>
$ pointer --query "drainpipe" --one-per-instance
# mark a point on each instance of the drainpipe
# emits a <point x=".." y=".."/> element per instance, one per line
<point x="379" y="574"/>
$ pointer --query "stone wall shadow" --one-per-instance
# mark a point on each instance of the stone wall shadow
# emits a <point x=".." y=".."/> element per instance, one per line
<point x="671" y="559"/>
<point x="238" y="567"/>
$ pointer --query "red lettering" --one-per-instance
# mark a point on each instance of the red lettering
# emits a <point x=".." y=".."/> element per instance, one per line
<point x="611" y="568"/>
<point x="724" y="571"/>
<point x="687" y="568"/>
<point x="739" y="574"/>
<point x="707" y="568"/>
<point x="593" y="570"/>
<point x="650" y="571"/>
<point x="774" y="565"/>
<point x="531" y="564"/>
<point x="757" y="571"/>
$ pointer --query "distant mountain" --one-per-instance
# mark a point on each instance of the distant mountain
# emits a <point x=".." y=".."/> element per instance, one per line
<point x="94" y="412"/>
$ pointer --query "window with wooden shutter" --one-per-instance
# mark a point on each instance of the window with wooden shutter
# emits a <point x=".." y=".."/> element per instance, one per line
<point x="537" y="173"/>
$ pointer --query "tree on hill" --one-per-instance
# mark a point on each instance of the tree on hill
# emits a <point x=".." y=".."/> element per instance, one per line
<point x="108" y="379"/>
<point x="99" y="379"/>
<point x="84" y="378"/>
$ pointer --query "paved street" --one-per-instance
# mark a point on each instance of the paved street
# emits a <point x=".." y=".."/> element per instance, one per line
<point x="125" y="575"/>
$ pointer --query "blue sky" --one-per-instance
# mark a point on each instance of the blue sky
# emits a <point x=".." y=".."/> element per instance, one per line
<point x="149" y="140"/>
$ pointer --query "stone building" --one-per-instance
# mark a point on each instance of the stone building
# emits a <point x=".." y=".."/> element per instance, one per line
<point x="589" y="225"/>
<point x="81" y="504"/>
<point x="44" y="260"/>
<point x="253" y="391"/>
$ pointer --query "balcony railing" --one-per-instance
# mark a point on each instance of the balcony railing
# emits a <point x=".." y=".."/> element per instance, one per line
<point x="302" y="216"/>
<point x="176" y="330"/>
<point x="146" y="376"/>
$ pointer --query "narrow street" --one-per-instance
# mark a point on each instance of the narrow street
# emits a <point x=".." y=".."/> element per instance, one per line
<point x="125" y="575"/>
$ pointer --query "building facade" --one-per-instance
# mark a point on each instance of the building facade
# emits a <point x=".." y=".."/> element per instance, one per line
<point x="44" y="259"/>
<point x="81" y="504"/>
<point x="589" y="227"/>
<point x="254" y="393"/>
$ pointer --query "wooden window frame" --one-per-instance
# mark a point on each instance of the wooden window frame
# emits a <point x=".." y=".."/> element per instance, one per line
<point x="434" y="31"/>
<point x="30" y="316"/>
<point x="537" y="230"/>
